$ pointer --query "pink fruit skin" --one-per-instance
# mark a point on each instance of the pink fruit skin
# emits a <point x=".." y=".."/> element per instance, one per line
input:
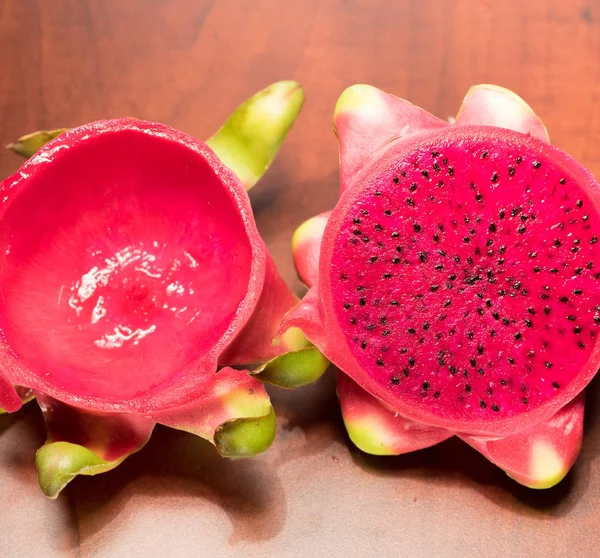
<point x="251" y="294"/>
<point x="507" y="442"/>
<point x="133" y="272"/>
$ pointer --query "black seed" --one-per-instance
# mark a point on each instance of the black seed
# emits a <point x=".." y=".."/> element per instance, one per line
<point x="411" y="361"/>
<point x="373" y="259"/>
<point x="494" y="176"/>
<point x="564" y="299"/>
<point x="405" y="372"/>
<point x="434" y="288"/>
<point x="371" y="327"/>
<point x="452" y="277"/>
<point x="482" y="404"/>
<point x="436" y="238"/>
<point x="524" y="400"/>
<point x="363" y="345"/>
<point x="480" y="311"/>
<point x="548" y="364"/>
<point x="386" y="333"/>
<point x="388" y="212"/>
<point x="518" y="336"/>
<point x="394" y="302"/>
<point x="377" y="193"/>
<point x="577" y="329"/>
<point x="347" y="305"/>
<point x="413" y="187"/>
<point x="555" y="385"/>
<point x="452" y="369"/>
<point x="593" y="240"/>
<point x="503" y="382"/>
<point x="396" y="179"/>
<point x="557" y="242"/>
<point x="399" y="249"/>
<point x="362" y="301"/>
<point x="579" y="203"/>
<point x="411" y="330"/>
<point x="571" y="318"/>
<point x="478" y="196"/>
<point x="511" y="360"/>
<point x="425" y="385"/>
<point x="466" y="239"/>
<point x="436" y="394"/>
<point x="470" y="334"/>
<point x="423" y="256"/>
<point x="450" y="171"/>
<point x="468" y="388"/>
<point x="417" y="227"/>
<point x="528" y="322"/>
<point x="495" y="315"/>
<point x="537" y="164"/>
<point x="426" y="326"/>
<point x="505" y="321"/>
<point x="585" y="217"/>
<point x="577" y="292"/>
<point x="473" y="362"/>
<point x="386" y="275"/>
<point x="395" y="380"/>
<point x="511" y="171"/>
<point x="380" y="362"/>
<point x="581" y="345"/>
<point x="521" y="230"/>
<point x="442" y="253"/>
<point x="410" y="202"/>
<point x="396" y="260"/>
<point x="502" y="214"/>
<point x="356" y="232"/>
<point x="553" y="270"/>
<point x="547" y="310"/>
<point x="364" y="211"/>
<point x="378" y="227"/>
<point x="447" y="303"/>
<point x="495" y="408"/>
<point x="492" y="332"/>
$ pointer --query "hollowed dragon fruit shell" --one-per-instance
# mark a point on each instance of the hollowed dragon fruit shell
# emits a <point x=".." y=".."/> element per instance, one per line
<point x="455" y="283"/>
<point x="133" y="277"/>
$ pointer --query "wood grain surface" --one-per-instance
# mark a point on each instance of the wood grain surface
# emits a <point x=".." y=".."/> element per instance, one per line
<point x="188" y="63"/>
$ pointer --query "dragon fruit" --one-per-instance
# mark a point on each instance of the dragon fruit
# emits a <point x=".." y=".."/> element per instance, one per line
<point x="456" y="284"/>
<point x="134" y="278"/>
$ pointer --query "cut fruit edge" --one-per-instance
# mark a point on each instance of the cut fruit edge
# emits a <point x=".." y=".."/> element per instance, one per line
<point x="256" y="129"/>
<point x="366" y="122"/>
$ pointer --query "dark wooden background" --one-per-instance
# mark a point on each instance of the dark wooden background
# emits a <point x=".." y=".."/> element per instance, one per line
<point x="188" y="63"/>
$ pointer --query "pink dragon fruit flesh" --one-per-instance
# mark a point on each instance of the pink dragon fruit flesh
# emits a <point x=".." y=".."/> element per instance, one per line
<point x="133" y="277"/>
<point x="456" y="284"/>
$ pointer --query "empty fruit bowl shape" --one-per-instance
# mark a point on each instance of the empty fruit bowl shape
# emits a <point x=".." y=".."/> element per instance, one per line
<point x="456" y="284"/>
<point x="134" y="280"/>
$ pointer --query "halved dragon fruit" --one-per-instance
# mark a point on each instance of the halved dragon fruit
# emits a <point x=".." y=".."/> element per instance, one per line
<point x="456" y="284"/>
<point x="133" y="277"/>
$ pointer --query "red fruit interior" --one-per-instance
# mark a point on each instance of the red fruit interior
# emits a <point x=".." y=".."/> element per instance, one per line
<point x="466" y="278"/>
<point x="126" y="260"/>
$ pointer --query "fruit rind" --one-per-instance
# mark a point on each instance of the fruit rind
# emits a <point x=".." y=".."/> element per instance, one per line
<point x="306" y="247"/>
<point x="251" y="137"/>
<point x="27" y="145"/>
<point x="491" y="105"/>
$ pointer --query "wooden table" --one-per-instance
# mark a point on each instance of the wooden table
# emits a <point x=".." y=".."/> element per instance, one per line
<point x="188" y="63"/>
